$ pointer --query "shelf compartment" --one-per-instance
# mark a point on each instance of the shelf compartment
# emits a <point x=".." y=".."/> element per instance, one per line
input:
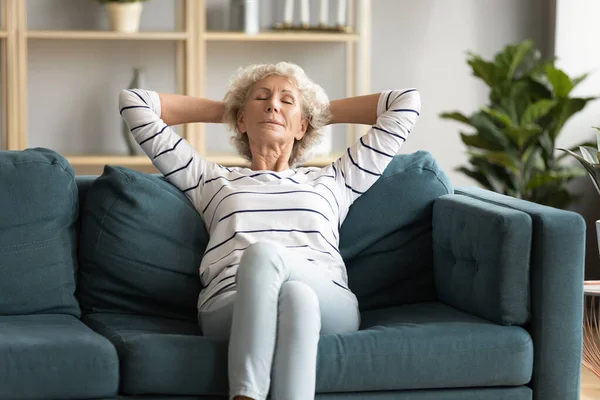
<point x="276" y="36"/>
<point x="106" y="35"/>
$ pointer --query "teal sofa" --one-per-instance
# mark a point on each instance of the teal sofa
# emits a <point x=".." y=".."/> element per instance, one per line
<point x="465" y="294"/>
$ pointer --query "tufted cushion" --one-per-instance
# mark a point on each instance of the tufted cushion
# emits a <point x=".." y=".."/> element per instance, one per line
<point x="386" y="239"/>
<point x="38" y="212"/>
<point x="482" y="257"/>
<point x="141" y="246"/>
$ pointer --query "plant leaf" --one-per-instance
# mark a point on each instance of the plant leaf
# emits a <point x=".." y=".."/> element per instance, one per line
<point x="589" y="154"/>
<point x="521" y="135"/>
<point x="537" y="110"/>
<point x="521" y="51"/>
<point x="501" y="179"/>
<point x="547" y="178"/>
<point x="484" y="70"/>
<point x="499" y="116"/>
<point x="532" y="161"/>
<point x="593" y="170"/>
<point x="478" y="141"/>
<point x="561" y="83"/>
<point x="499" y="158"/>
<point x="488" y="130"/>
<point x="567" y="107"/>
<point x="564" y="155"/>
<point x="456" y="116"/>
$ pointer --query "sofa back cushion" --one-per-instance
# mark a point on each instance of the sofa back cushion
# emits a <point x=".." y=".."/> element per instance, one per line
<point x="142" y="241"/>
<point x="386" y="239"/>
<point x="141" y="244"/>
<point x="38" y="213"/>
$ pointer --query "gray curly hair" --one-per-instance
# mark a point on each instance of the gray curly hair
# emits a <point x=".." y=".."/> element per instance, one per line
<point x="315" y="106"/>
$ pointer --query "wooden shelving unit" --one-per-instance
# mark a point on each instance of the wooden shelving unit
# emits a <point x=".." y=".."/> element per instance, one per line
<point x="99" y="35"/>
<point x="191" y="39"/>
<point x="282" y="37"/>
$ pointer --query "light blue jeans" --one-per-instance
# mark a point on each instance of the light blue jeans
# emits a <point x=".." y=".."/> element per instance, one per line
<point x="274" y="319"/>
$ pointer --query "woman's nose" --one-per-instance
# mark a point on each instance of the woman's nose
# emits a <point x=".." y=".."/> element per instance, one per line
<point x="272" y="107"/>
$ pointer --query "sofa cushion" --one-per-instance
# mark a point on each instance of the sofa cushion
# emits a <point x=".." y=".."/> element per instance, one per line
<point x="38" y="212"/>
<point x="140" y="247"/>
<point x="419" y="346"/>
<point x="386" y="239"/>
<point x="55" y="357"/>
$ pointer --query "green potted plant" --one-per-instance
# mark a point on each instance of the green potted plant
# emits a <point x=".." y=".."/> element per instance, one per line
<point x="123" y="15"/>
<point x="512" y="148"/>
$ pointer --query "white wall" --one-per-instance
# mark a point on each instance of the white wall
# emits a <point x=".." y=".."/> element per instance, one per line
<point x="576" y="46"/>
<point x="424" y="44"/>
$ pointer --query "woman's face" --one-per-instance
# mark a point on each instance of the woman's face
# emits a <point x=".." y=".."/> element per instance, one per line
<point x="273" y="112"/>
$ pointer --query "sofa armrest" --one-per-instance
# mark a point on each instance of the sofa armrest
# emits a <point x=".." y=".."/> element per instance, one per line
<point x="556" y="292"/>
<point x="481" y="258"/>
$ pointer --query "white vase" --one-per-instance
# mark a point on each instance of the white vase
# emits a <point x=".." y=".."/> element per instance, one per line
<point x="124" y="17"/>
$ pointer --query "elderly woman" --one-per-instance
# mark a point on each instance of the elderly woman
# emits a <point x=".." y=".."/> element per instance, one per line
<point x="273" y="277"/>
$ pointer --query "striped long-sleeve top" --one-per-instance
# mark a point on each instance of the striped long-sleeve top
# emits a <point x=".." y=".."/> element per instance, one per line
<point x="301" y="208"/>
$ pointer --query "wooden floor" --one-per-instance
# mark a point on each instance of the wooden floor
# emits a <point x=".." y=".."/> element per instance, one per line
<point x="590" y="385"/>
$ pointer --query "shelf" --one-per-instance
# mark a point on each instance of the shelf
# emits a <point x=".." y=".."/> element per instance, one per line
<point x="130" y="161"/>
<point x="96" y="160"/>
<point x="3" y="34"/>
<point x="272" y="36"/>
<point x="106" y="35"/>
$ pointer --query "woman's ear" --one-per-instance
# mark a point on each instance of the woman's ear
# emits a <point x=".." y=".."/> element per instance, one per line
<point x="303" y="128"/>
<point x="240" y="121"/>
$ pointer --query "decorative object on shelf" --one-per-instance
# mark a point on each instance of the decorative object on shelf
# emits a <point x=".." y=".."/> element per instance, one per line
<point x="138" y="81"/>
<point x="244" y="16"/>
<point x="323" y="24"/>
<point x="123" y="15"/>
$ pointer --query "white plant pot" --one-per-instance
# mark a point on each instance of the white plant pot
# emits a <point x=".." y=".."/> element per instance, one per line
<point x="124" y="17"/>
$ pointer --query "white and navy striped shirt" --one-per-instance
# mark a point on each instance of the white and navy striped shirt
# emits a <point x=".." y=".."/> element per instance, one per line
<point x="301" y="208"/>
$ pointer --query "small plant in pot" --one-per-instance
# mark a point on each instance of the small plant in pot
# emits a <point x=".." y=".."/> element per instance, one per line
<point x="123" y="15"/>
